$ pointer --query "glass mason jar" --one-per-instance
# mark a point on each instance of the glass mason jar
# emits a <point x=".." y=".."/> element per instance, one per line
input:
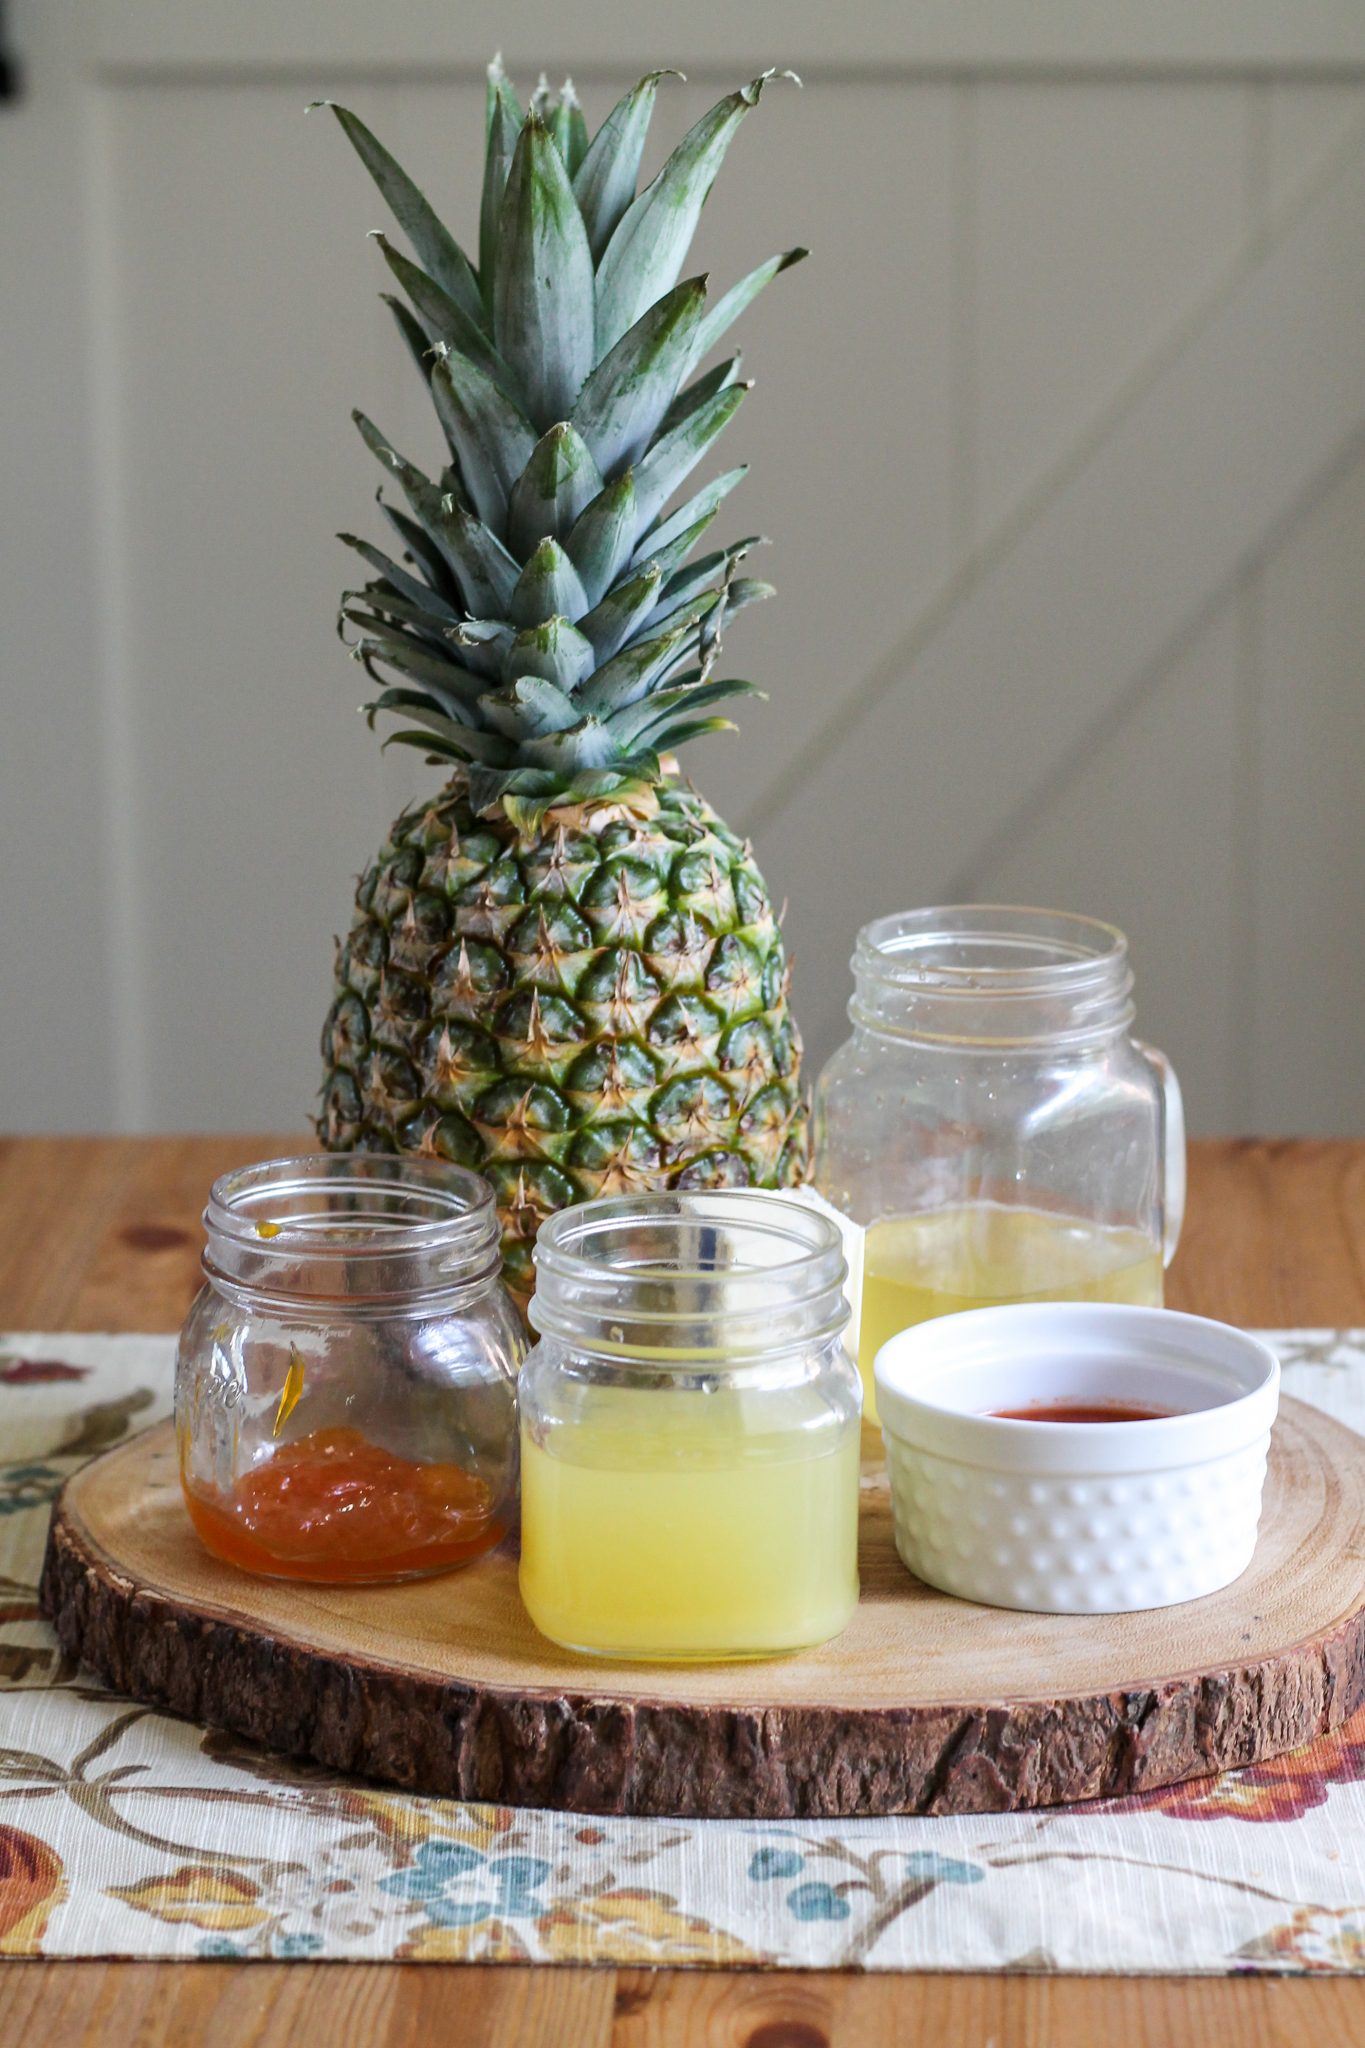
<point x="345" y="1390"/>
<point x="993" y="1123"/>
<point x="689" y="1430"/>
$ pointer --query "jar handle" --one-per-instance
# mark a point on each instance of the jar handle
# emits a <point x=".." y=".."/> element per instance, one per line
<point x="1173" y="1148"/>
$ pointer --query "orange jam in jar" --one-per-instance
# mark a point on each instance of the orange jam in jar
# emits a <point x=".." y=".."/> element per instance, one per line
<point x="336" y="1506"/>
<point x="346" y="1380"/>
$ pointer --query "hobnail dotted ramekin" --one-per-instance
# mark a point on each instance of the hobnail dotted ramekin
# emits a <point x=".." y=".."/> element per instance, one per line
<point x="1076" y="1517"/>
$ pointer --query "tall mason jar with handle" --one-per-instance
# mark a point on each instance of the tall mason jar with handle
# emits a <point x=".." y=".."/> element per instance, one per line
<point x="993" y="1123"/>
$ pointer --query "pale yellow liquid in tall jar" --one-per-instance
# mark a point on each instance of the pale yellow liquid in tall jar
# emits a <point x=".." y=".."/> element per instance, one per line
<point x="668" y="1527"/>
<point x="983" y="1254"/>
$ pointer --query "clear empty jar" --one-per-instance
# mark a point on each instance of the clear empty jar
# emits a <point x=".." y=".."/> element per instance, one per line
<point x="689" y="1430"/>
<point x="345" y="1395"/>
<point x="994" y="1123"/>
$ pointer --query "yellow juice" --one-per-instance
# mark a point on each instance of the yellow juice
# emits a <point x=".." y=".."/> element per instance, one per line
<point x="985" y="1253"/>
<point x="652" y="1530"/>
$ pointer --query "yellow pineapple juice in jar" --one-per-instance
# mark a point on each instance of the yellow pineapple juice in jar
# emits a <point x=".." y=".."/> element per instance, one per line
<point x="666" y="1534"/>
<point x="690" y="1431"/>
<point x="993" y="1123"/>
<point x="983" y="1254"/>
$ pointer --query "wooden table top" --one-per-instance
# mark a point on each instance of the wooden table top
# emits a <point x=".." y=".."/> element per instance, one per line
<point x="102" y="1234"/>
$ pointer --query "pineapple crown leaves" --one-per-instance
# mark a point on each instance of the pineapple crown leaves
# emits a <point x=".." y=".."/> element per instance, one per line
<point x="538" y="623"/>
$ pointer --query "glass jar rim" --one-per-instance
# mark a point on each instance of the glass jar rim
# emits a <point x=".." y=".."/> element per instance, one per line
<point x="992" y="976"/>
<point x="260" y="1208"/>
<point x="1054" y="950"/>
<point x="778" y="1287"/>
<point x="811" y="1233"/>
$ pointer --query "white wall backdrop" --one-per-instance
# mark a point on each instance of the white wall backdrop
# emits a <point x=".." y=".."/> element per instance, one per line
<point x="1059" y="437"/>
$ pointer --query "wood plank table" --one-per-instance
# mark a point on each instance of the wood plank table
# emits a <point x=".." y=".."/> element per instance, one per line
<point x="102" y="1234"/>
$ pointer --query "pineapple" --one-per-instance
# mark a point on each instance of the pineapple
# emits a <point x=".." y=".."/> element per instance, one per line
<point x="563" y="970"/>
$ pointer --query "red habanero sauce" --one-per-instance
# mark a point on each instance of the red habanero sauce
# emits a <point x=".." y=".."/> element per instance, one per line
<point x="1075" y="1411"/>
<point x="337" y="1509"/>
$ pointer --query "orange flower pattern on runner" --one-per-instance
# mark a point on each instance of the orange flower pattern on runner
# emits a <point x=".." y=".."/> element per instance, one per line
<point x="1284" y="1788"/>
<point x="1316" y="1940"/>
<point x="30" y="1886"/>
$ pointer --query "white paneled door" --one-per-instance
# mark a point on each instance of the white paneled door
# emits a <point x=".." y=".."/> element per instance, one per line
<point x="1059" y="438"/>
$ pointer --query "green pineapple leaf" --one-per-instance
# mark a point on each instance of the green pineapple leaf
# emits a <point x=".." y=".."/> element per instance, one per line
<point x="444" y="322"/>
<point x="747" y="590"/>
<point x="648" y="245"/>
<point x="723" y="377"/>
<point x="620" y="406"/>
<point x="604" y="184"/>
<point x="687" y="616"/>
<point x="526" y="814"/>
<point x="485" y="644"/>
<point x="602" y="538"/>
<point x="728" y="309"/>
<point x="551" y="708"/>
<point x="408" y="586"/>
<point x="586" y="745"/>
<point x="413" y="333"/>
<point x="487" y="573"/>
<point x="548" y="586"/>
<point x="499" y="90"/>
<point x="558" y="483"/>
<point x="662" y="708"/>
<point x="690" y="729"/>
<point x="628" y="675"/>
<point x="671" y="539"/>
<point x="611" y="622"/>
<point x="489" y="748"/>
<point x="491" y="438"/>
<point x="543" y="290"/>
<point x="422" y="549"/>
<point x="503" y="127"/>
<point x="375" y="609"/>
<point x="437" y="250"/>
<point x="554" y="649"/>
<point x="483" y="569"/>
<point x="435" y="749"/>
<point x="675" y="454"/>
<point x="569" y="129"/>
<point x="420" y="492"/>
<point x="457" y="695"/>
<point x="691" y="581"/>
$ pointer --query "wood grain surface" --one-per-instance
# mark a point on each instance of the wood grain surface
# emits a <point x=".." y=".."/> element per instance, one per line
<point x="102" y="1234"/>
<point x="924" y="1704"/>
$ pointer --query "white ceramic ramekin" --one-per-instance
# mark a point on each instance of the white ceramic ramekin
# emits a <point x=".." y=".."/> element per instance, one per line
<point x="1076" y="1517"/>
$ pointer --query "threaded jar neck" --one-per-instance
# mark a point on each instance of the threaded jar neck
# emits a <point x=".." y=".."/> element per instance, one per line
<point x="990" y="976"/>
<point x="684" y="1279"/>
<point x="360" y="1230"/>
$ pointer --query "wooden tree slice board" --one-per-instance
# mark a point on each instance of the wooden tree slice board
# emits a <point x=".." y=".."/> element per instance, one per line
<point x="925" y="1704"/>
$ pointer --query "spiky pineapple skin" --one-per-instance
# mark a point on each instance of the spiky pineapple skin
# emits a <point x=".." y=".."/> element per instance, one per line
<point x="598" y="1008"/>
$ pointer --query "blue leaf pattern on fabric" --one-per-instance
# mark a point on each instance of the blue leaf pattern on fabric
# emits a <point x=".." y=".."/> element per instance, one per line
<point x="819" y="1902"/>
<point x="942" y="1869"/>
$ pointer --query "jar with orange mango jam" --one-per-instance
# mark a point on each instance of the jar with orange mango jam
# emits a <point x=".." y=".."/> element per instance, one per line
<point x="689" y="1430"/>
<point x="345" y="1395"/>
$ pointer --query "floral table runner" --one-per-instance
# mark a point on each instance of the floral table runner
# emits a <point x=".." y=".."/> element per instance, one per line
<point x="124" y="1832"/>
